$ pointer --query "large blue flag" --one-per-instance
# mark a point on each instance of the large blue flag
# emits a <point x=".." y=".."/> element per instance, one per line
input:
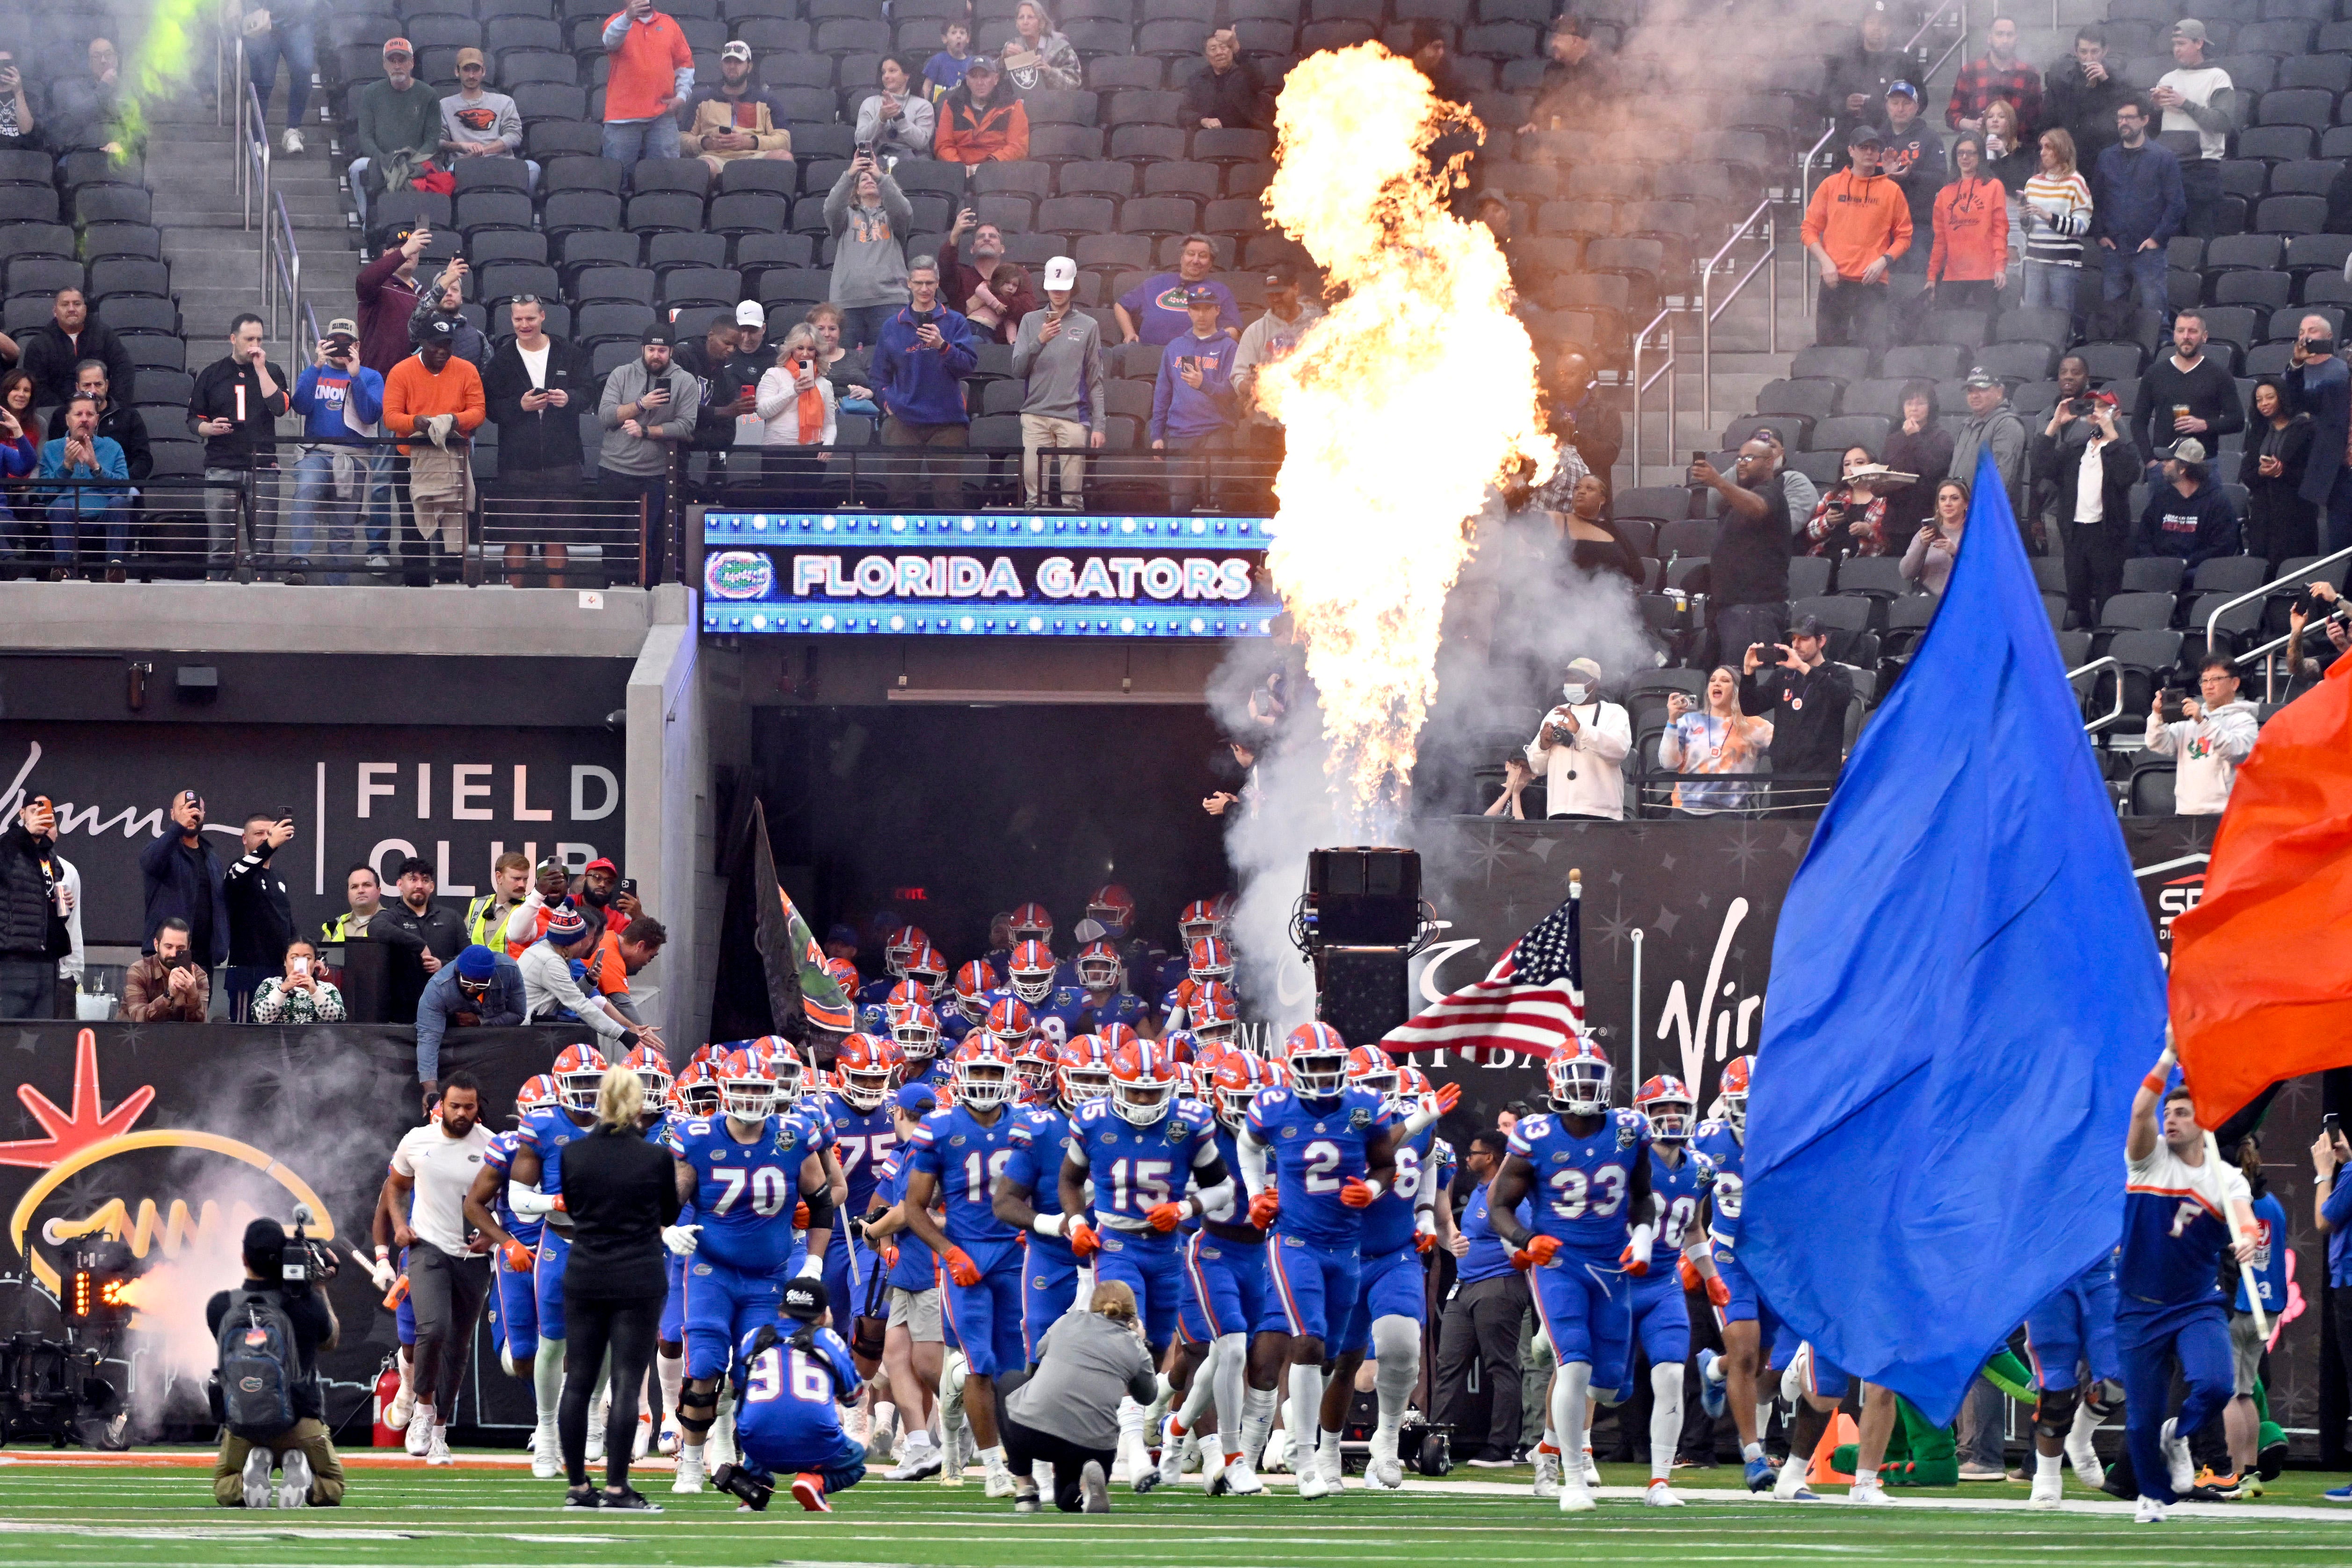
<point x="1965" y="993"/>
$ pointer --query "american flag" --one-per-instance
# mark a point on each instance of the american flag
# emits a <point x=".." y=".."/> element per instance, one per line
<point x="1531" y="1003"/>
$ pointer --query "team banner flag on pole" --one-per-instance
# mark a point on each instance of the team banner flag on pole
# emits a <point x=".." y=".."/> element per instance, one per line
<point x="1529" y="1004"/>
<point x="2262" y="966"/>
<point x="788" y="952"/>
<point x="1965" y="993"/>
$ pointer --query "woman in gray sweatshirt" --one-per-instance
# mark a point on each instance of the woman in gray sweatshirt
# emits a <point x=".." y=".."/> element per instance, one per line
<point x="1067" y="1414"/>
<point x="869" y="217"/>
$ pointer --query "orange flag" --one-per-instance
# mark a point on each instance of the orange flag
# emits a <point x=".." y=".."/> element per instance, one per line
<point x="2261" y="967"/>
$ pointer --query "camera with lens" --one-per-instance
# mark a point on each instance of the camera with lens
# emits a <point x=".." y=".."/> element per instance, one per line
<point x="2168" y="707"/>
<point x="307" y="1261"/>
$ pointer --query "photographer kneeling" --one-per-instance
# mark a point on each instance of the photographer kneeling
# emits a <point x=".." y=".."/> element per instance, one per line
<point x="275" y="1412"/>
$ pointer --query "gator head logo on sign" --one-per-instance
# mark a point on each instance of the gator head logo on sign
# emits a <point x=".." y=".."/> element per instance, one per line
<point x="738" y="575"/>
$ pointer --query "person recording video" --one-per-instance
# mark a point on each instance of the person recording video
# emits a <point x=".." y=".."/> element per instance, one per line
<point x="275" y="1329"/>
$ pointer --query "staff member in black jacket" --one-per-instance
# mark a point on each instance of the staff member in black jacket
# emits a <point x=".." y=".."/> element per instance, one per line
<point x="2090" y="479"/>
<point x="235" y="406"/>
<point x="1805" y="696"/>
<point x="621" y="1192"/>
<point x="535" y="387"/>
<point x="32" y="935"/>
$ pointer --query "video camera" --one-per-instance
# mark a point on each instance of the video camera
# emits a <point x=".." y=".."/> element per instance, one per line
<point x="306" y="1261"/>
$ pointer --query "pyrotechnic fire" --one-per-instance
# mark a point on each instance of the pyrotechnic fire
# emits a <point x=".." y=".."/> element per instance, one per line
<point x="1400" y="407"/>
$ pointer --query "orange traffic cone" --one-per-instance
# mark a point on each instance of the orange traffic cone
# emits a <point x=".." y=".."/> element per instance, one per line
<point x="1841" y="1431"/>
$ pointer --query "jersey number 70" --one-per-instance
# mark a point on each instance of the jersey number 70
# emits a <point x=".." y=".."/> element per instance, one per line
<point x="767" y="1184"/>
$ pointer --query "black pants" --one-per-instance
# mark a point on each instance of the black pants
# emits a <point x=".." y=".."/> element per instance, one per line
<point x="626" y="1327"/>
<point x="1025" y="1445"/>
<point x="2200" y="189"/>
<point x="653" y="490"/>
<point x="447" y="1293"/>
<point x="1852" y="315"/>
<point x="2095" y="570"/>
<point x="1477" y="1391"/>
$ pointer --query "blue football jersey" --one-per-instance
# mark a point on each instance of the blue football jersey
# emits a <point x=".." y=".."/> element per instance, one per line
<point x="932" y="1072"/>
<point x="1388" y="1224"/>
<point x="1229" y="1149"/>
<point x="954" y="1026"/>
<point x="1726" y="1156"/>
<point x="544" y="1133"/>
<point x="787" y="1398"/>
<point x="500" y="1157"/>
<point x="1136" y="1169"/>
<point x="874" y="993"/>
<point x="1315" y="1148"/>
<point x="860" y="1140"/>
<point x="2175" y="1227"/>
<point x="1039" y="1135"/>
<point x="745" y="1193"/>
<point x="1582" y="1181"/>
<point x="874" y="1018"/>
<point x="1106" y="1008"/>
<point x="966" y="1157"/>
<point x="1060" y="1017"/>
<point x="1679" y="1190"/>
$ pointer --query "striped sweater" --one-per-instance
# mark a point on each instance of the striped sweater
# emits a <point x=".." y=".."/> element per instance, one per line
<point x="2057" y="215"/>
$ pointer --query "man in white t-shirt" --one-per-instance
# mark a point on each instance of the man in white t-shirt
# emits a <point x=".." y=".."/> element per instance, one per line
<point x="448" y="1275"/>
<point x="1581" y="747"/>
<point x="2199" y="105"/>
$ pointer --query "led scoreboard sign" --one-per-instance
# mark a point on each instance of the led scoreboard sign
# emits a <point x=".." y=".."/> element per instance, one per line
<point x="972" y="574"/>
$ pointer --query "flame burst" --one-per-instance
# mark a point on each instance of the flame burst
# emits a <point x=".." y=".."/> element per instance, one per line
<point x="1400" y="407"/>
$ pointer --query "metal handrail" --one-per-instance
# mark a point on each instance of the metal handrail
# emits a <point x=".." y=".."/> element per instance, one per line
<point x="1805" y="167"/>
<point x="2213" y="621"/>
<point x="1928" y="26"/>
<point x="288" y="277"/>
<point x="1660" y="324"/>
<point x="1709" y="307"/>
<point x="2106" y="661"/>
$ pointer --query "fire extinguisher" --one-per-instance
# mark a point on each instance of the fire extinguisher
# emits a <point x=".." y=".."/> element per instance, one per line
<point x="387" y="1389"/>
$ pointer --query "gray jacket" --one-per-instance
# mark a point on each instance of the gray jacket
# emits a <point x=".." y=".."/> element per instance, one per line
<point x="869" y="261"/>
<point x="909" y="132"/>
<point x="1085" y="1364"/>
<point x="2002" y="433"/>
<point x="1065" y="376"/>
<point x="648" y="454"/>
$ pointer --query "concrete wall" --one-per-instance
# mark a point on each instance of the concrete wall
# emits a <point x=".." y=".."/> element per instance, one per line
<point x="271" y="618"/>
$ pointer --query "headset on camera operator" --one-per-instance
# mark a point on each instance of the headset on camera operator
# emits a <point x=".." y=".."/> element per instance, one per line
<point x="266" y="1391"/>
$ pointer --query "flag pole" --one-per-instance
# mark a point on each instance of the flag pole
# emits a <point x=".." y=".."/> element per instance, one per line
<point x="2237" y="1232"/>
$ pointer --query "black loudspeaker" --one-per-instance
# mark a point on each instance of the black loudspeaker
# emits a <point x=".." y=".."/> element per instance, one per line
<point x="1365" y="897"/>
<point x="1362" y="992"/>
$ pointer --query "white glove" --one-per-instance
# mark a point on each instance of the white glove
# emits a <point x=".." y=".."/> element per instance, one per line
<point x="1645" y="1237"/>
<point x="681" y="1240"/>
<point x="811" y="1267"/>
<point x="380" y="1270"/>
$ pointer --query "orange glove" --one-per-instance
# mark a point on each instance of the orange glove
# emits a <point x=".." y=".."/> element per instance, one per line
<point x="1357" y="1195"/>
<point x="801" y="1215"/>
<point x="517" y="1257"/>
<point x="1264" y="1208"/>
<point x="1637" y="1270"/>
<point x="1165" y="1217"/>
<point x="1717" y="1291"/>
<point x="1449" y="1095"/>
<point x="1688" y="1273"/>
<point x="1424" y="1241"/>
<point x="1521" y="1261"/>
<point x="961" y="1267"/>
<point x="1542" y="1249"/>
<point x="1084" y="1242"/>
<point x="559" y="1204"/>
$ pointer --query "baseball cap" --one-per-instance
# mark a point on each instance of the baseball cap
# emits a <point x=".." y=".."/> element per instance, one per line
<point x="1586" y="666"/>
<point x="1061" y="272"/>
<point x="1863" y="135"/>
<point x="846" y="935"/>
<point x="1201" y="294"/>
<point x="1805" y="627"/>
<point x="1903" y="88"/>
<point x="601" y="863"/>
<point x="1281" y="274"/>
<point x="440" y="329"/>
<point x="806" y="1302"/>
<point x="658" y="333"/>
<point x="2189" y="27"/>
<point x="751" y="314"/>
<point x="1979" y="376"/>
<point x="982" y="63"/>
<point x="2188" y="449"/>
<point x="343" y="327"/>
<point x="736" y="49"/>
<point x="471" y="57"/>
<point x="398" y="46"/>
<point x="917" y="1098"/>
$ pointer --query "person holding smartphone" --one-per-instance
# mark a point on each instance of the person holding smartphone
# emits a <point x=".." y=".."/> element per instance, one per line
<point x="799" y="418"/>
<point x="1057" y="353"/>
<point x="168" y="985"/>
<point x="302" y="994"/>
<point x="339" y="402"/>
<point x="260" y="915"/>
<point x="34" y="906"/>
<point x="648" y="409"/>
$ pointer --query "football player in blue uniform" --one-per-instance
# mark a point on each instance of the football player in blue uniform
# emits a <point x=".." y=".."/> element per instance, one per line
<point x="912" y="1350"/>
<point x="1104" y="979"/>
<point x="1113" y="908"/>
<point x="1746" y="1324"/>
<point x="747" y="1171"/>
<point x="1589" y="1167"/>
<point x="957" y="1155"/>
<point x="514" y="1301"/>
<point x="1028" y="1194"/>
<point x="533" y="1184"/>
<point x="857" y="1119"/>
<point x="902" y="945"/>
<point x="791" y="1380"/>
<point x="1056" y="1011"/>
<point x="2074" y="1329"/>
<point x="1314" y="1155"/>
<point x="965" y="1004"/>
<point x="2183" y="1210"/>
<point x="1225" y="1300"/>
<point x="874" y="1017"/>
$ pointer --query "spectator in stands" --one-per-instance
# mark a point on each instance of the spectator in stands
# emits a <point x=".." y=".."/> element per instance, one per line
<point x="722" y="396"/>
<point x="87" y="111"/>
<point x="436" y="930"/>
<point x="896" y="121"/>
<point x="1589" y="539"/>
<point x="738" y="118"/>
<point x="1036" y="56"/>
<point x="1999" y="74"/>
<point x="2279" y="522"/>
<point x="1796" y="685"/>
<point x="868" y="217"/>
<point x="2057" y="212"/>
<point x="1852" y="517"/>
<point x="1802" y="494"/>
<point x="1578" y="80"/>
<point x="848" y="369"/>
<point x="2010" y="156"/>
<point x="1580" y="748"/>
<point x="2136" y="208"/>
<point x="169" y="985"/>
<point x="179" y="876"/>
<point x="1717" y="739"/>
<point x="34" y="904"/>
<point x="2212" y="738"/>
<point x="1749" y="569"/>
<point x="648" y="408"/>
<point x="1861" y="80"/>
<point x="2188" y="516"/>
<point x="1271" y="337"/>
<point x="533" y="390"/>
<point x="1228" y="96"/>
<point x="50" y="352"/>
<point x="1194" y="409"/>
<point x="1432" y="57"/>
<point x="652" y="72"/>
<point x="398" y="132"/>
<point x="364" y="894"/>
<point x="339" y="402"/>
<point x="286" y="30"/>
<point x="969" y="285"/>
<point x="1970" y="260"/>
<point x="926" y="349"/>
<point x="483" y="989"/>
<point x="1992" y="425"/>
<point x="2081" y="99"/>
<point x="2318" y="595"/>
<point x="1575" y="410"/>
<point x="2317" y="384"/>
<point x="487" y="914"/>
<point x="753" y="358"/>
<point x="1057" y="353"/>
<point x="2200" y="109"/>
<point x="438" y="397"/>
<point x="235" y="406"/>
<point x="1857" y="224"/>
<point x="17" y="129"/>
<point x="2089" y="468"/>
<point x="20" y="453"/>
<point x="984" y="120"/>
<point x="479" y="123"/>
<point x="117" y="421"/>
<point x="388" y="301"/>
<point x="1912" y="155"/>
<point x="943" y="72"/>
<point x="1156" y="311"/>
<point x="1928" y="560"/>
<point x="445" y="302"/>
<point x="77" y="514"/>
<point x="799" y="415"/>
<point x="301" y="994"/>
<point x="2187" y="393"/>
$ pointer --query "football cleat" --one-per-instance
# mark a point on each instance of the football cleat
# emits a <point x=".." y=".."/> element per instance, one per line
<point x="1547" y="1481"/>
<point x="1575" y="1496"/>
<point x="1872" y="1495"/>
<point x="1660" y="1495"/>
<point x="2177" y="1456"/>
<point x="2147" y="1511"/>
<point x="1238" y="1478"/>
<point x="689" y="1478"/>
<point x="1712" y="1386"/>
<point x="2049" y="1491"/>
<point x="1760" y="1475"/>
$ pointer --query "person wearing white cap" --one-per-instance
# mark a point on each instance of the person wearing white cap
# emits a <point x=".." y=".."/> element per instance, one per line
<point x="1581" y="749"/>
<point x="1057" y="353"/>
<point x="753" y="358"/>
<point x="735" y="119"/>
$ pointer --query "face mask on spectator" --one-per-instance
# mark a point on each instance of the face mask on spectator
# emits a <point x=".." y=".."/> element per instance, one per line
<point x="1574" y="690"/>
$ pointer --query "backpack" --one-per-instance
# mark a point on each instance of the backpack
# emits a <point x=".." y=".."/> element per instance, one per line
<point x="259" y="1369"/>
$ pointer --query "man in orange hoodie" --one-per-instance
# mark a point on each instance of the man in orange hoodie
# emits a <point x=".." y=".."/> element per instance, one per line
<point x="430" y="386"/>
<point x="1856" y="227"/>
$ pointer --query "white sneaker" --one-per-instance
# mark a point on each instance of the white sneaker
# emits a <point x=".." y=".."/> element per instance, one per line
<point x="1239" y="1478"/>
<point x="1311" y="1481"/>
<point x="403" y="1405"/>
<point x="673" y="1436"/>
<point x="294" y="1490"/>
<point x="436" y="1448"/>
<point x="256" y="1476"/>
<point x="595" y="1451"/>
<point x="546" y="1453"/>
<point x="2049" y="1491"/>
<point x="1575" y="1496"/>
<point x="292" y="142"/>
<point x="1592" y="1471"/>
<point x="1660" y="1495"/>
<point x="1382" y="1469"/>
<point x="689" y="1478"/>
<point x="2083" y="1455"/>
<point x="952" y="1457"/>
<point x="1172" y="1452"/>
<point x="1873" y="1494"/>
<point x="998" y="1482"/>
<point x="923" y="1459"/>
<point x="2176" y="1458"/>
<point x="419" y="1435"/>
<point x="2150" y="1511"/>
<point x="1547" y="1485"/>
